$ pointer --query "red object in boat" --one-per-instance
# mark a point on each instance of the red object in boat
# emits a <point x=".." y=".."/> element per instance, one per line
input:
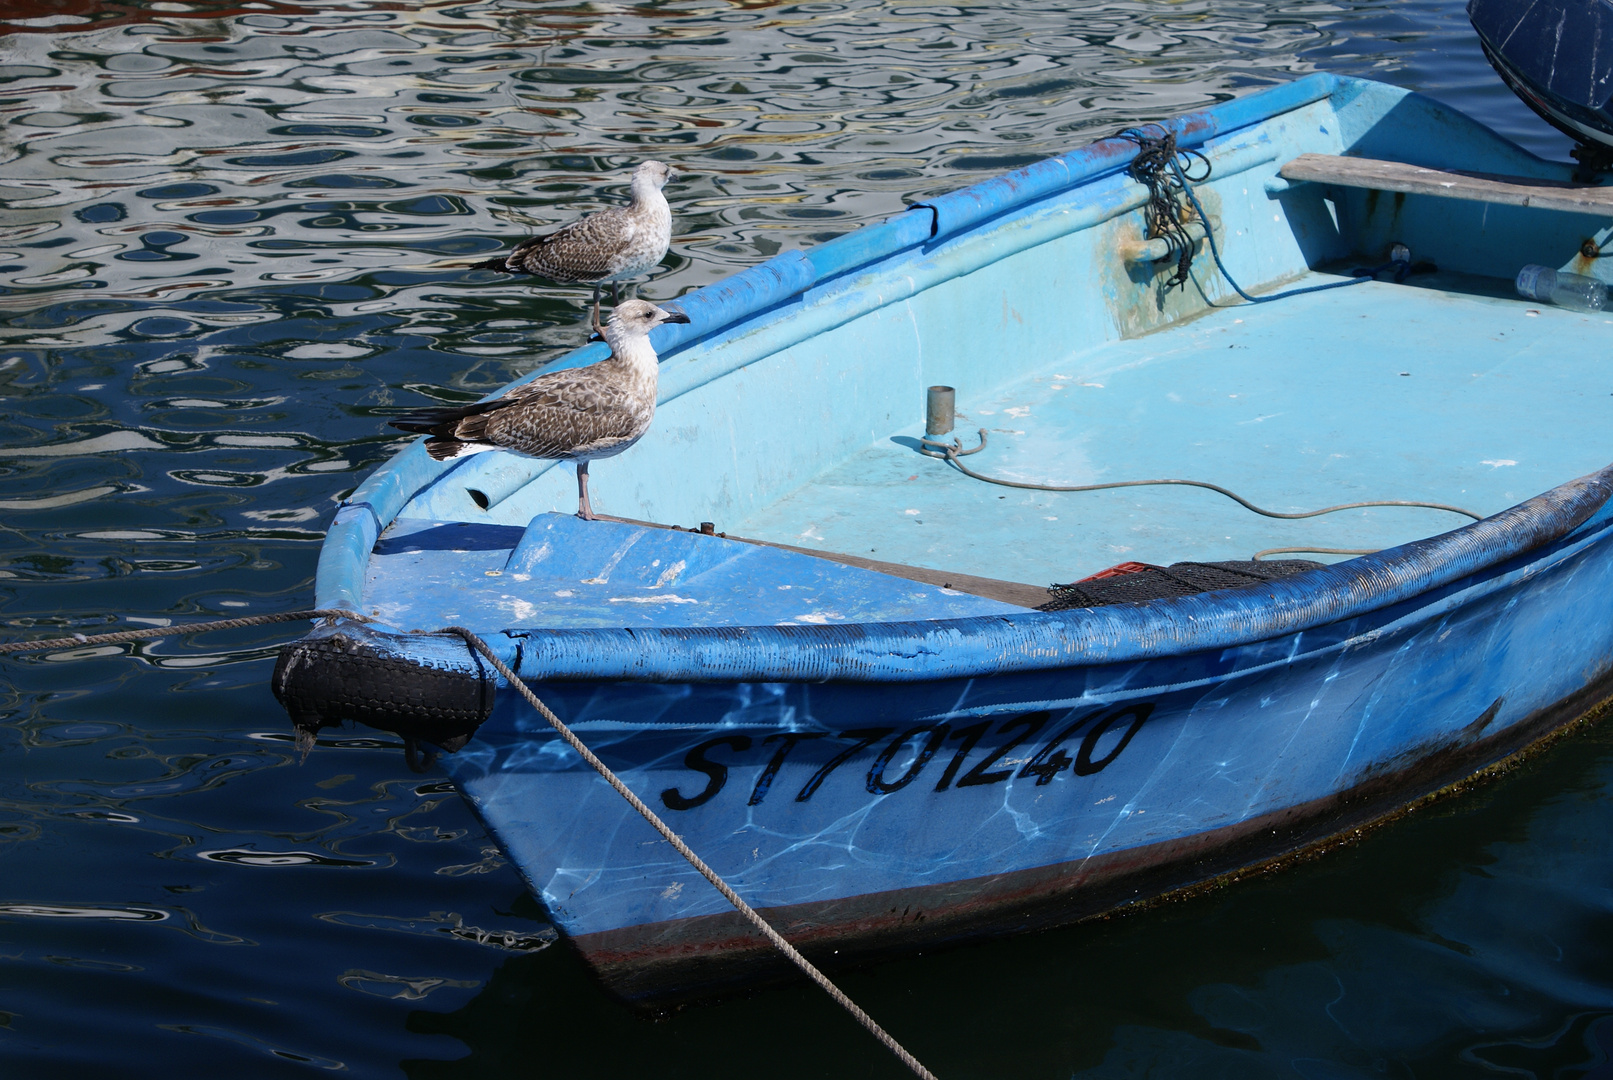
<point x="1119" y="570"/>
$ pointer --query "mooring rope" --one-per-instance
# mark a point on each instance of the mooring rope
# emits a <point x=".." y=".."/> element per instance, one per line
<point x="124" y="636"/>
<point x="952" y="451"/>
<point x="683" y="849"/>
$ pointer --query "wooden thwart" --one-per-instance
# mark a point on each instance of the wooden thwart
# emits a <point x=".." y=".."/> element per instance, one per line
<point x="1477" y="187"/>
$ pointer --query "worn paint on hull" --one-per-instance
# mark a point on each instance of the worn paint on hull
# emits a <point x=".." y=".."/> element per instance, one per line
<point x="665" y="965"/>
<point x="1167" y="779"/>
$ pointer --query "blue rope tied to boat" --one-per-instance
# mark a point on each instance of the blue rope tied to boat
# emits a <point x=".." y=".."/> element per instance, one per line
<point x="1159" y="166"/>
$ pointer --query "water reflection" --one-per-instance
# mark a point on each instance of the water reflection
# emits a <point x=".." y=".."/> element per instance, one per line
<point x="172" y="156"/>
<point x="225" y="238"/>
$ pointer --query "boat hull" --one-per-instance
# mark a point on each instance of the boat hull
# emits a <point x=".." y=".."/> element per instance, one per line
<point x="666" y="964"/>
<point x="1081" y="791"/>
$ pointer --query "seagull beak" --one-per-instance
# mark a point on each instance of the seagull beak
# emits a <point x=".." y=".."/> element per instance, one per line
<point x="675" y="316"/>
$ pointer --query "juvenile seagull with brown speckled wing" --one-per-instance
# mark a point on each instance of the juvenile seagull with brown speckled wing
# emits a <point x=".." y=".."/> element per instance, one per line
<point x="575" y="415"/>
<point x="610" y="245"/>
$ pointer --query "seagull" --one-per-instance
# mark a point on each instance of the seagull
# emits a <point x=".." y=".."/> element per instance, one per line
<point x="608" y="246"/>
<point x="576" y="415"/>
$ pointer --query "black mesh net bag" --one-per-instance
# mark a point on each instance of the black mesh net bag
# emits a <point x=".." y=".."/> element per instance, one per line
<point x="1166" y="582"/>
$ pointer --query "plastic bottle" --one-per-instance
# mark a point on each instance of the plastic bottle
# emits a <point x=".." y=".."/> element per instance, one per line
<point x="1575" y="291"/>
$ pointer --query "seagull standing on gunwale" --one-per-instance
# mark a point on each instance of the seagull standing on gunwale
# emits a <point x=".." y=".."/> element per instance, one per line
<point x="578" y="415"/>
<point x="611" y="245"/>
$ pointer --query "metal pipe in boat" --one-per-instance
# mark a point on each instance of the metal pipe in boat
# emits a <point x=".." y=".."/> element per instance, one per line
<point x="940" y="403"/>
<point x="1148" y="251"/>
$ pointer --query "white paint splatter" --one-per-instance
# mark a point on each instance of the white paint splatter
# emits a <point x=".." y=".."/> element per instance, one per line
<point x="667" y="598"/>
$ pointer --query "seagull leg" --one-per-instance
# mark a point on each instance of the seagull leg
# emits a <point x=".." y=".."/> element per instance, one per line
<point x="584" y="509"/>
<point x="600" y="330"/>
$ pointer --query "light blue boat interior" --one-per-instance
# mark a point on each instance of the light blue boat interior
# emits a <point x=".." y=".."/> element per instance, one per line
<point x="791" y="406"/>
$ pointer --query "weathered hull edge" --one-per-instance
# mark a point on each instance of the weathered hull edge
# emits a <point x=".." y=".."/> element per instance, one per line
<point x="675" y="963"/>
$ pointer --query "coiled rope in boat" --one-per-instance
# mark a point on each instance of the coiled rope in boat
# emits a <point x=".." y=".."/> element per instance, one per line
<point x="1165" y="170"/>
<point x="475" y="642"/>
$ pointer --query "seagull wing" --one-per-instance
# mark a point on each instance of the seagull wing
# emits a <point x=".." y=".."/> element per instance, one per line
<point x="586" y="250"/>
<point x="561" y="414"/>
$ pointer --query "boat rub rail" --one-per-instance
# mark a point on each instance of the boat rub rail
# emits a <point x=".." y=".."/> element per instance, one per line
<point x="987" y="645"/>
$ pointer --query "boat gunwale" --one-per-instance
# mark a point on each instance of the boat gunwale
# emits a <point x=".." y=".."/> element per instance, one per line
<point x="989" y="645"/>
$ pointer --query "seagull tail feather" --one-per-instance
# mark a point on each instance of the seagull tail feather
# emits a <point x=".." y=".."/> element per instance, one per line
<point x="500" y="263"/>
<point x="454" y="432"/>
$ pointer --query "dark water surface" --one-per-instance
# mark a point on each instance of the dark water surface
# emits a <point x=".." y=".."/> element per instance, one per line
<point x="219" y="252"/>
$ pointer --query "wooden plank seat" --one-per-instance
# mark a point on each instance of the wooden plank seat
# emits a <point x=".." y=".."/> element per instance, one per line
<point x="1475" y="186"/>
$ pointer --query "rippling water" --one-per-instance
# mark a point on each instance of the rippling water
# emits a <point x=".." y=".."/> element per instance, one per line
<point x="222" y="264"/>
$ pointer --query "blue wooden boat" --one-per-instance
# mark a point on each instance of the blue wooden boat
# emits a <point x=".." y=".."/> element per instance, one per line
<point x="857" y="713"/>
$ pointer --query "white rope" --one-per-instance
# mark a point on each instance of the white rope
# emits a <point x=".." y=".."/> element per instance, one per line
<point x="694" y="860"/>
